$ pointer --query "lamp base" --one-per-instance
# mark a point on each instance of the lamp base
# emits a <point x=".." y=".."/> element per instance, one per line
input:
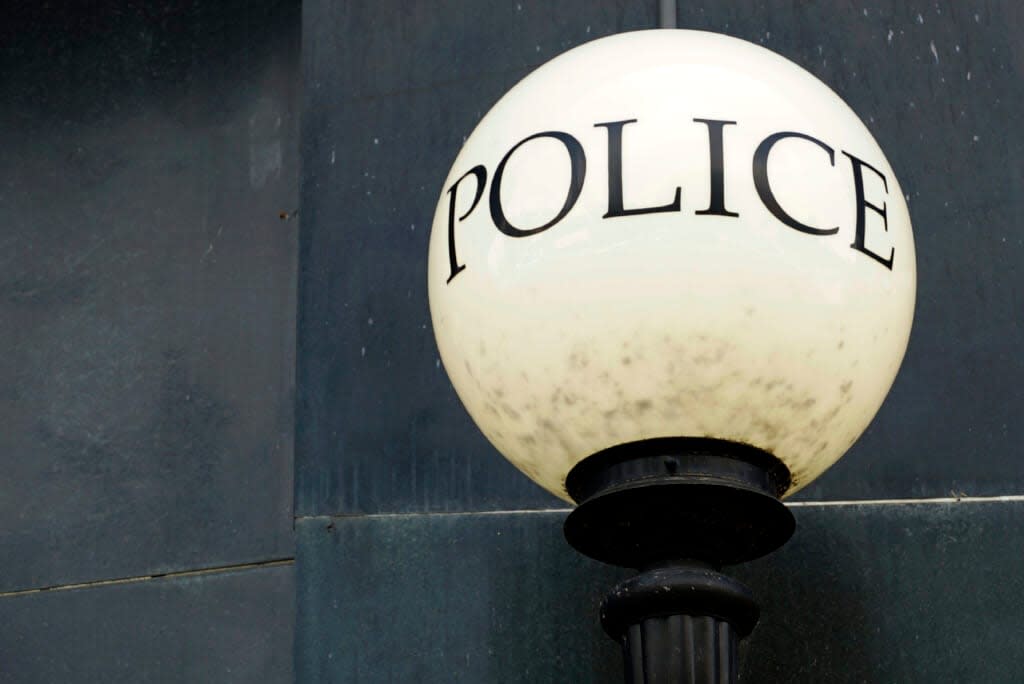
<point x="680" y="623"/>
<point x="678" y="509"/>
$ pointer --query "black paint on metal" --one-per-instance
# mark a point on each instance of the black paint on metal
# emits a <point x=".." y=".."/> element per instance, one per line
<point x="658" y="500"/>
<point x="681" y="623"/>
<point x="678" y="509"/>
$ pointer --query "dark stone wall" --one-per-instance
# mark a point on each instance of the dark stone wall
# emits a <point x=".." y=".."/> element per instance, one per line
<point x="423" y="556"/>
<point x="392" y="92"/>
<point x="863" y="593"/>
<point x="150" y="264"/>
<point x="147" y="308"/>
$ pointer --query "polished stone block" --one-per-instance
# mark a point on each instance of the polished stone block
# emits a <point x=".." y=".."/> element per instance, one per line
<point x="227" y="627"/>
<point x="862" y="593"/>
<point x="392" y="91"/>
<point x="147" y="287"/>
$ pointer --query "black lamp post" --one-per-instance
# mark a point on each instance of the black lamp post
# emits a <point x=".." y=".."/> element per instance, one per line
<point x="672" y="279"/>
<point x="678" y="509"/>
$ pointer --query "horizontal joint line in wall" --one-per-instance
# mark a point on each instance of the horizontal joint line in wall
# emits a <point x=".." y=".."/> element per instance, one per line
<point x="146" y="578"/>
<point x="1011" y="498"/>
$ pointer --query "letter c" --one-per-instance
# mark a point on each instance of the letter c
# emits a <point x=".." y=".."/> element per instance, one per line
<point x="764" y="189"/>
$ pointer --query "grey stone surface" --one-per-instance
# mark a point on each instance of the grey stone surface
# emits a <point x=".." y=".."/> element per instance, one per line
<point x="224" y="627"/>
<point x="147" y="287"/>
<point x="938" y="84"/>
<point x="864" y="593"/>
<point x="391" y="92"/>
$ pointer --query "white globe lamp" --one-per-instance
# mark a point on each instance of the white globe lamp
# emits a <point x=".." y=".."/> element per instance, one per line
<point x="672" y="279"/>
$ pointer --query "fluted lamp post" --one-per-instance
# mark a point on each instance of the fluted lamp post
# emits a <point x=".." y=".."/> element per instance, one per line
<point x="672" y="279"/>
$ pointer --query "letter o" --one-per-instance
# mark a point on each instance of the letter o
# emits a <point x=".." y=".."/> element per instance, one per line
<point x="578" y="162"/>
